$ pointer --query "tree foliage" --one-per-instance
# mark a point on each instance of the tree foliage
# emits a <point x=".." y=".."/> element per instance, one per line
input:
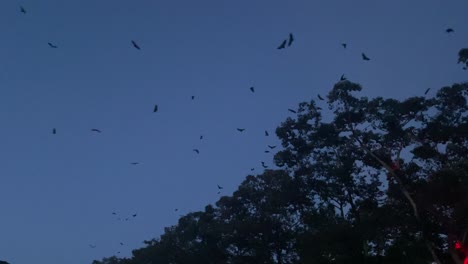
<point x="366" y="181"/>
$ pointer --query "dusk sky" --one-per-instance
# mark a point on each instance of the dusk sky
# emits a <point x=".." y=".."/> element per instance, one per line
<point x="58" y="191"/>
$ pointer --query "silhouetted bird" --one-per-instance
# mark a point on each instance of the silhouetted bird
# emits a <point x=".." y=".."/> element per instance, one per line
<point x="135" y="45"/>
<point x="344" y="45"/>
<point x="155" y="108"/>
<point x="52" y="45"/>
<point x="54" y="131"/>
<point x="283" y="44"/>
<point x="271" y="147"/>
<point x="449" y="30"/>
<point x="220" y="188"/>
<point x="219" y="192"/>
<point x="113" y="213"/>
<point x="134" y="215"/>
<point x="364" y="57"/>
<point x="342" y="78"/>
<point x="201" y="137"/>
<point x="266" y="133"/>
<point x="291" y="39"/>
<point x="320" y="97"/>
<point x="176" y="209"/>
<point x="121" y="243"/>
<point x="193" y="97"/>
<point x="240" y="129"/>
<point x="92" y="246"/>
<point x="263" y="165"/>
<point x="96" y="130"/>
<point x="22" y="10"/>
<point x="197" y="151"/>
<point x="135" y="163"/>
<point x="292" y="111"/>
<point x="252" y="89"/>
<point x="427" y="90"/>
<point x="252" y="169"/>
<point x="267" y="151"/>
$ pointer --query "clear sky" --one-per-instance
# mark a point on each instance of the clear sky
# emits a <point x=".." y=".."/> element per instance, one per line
<point x="58" y="192"/>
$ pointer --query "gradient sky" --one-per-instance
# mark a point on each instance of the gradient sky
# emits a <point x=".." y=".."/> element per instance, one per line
<point x="58" y="192"/>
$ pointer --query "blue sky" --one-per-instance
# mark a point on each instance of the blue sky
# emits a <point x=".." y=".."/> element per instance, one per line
<point x="58" y="192"/>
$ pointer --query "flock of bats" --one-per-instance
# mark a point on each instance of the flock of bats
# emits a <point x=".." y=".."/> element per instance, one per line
<point x="284" y="44"/>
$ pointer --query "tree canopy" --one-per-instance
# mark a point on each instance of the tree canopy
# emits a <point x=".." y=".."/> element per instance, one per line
<point x="365" y="181"/>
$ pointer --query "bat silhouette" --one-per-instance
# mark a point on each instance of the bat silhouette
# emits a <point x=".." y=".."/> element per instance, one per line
<point x="135" y="45"/>
<point x="291" y="39"/>
<point x="220" y="188"/>
<point x="344" y="45"/>
<point x="427" y="90"/>
<point x="52" y="45"/>
<point x="197" y="151"/>
<point x="342" y="78"/>
<point x="320" y="97"/>
<point x="292" y="111"/>
<point x="364" y="57"/>
<point x="241" y="129"/>
<point x="135" y="163"/>
<point x="283" y="44"/>
<point x="54" y="131"/>
<point x="96" y="130"/>
<point x="155" y="108"/>
<point x="271" y="147"/>
<point x="266" y="133"/>
<point x="22" y="10"/>
<point x="449" y="30"/>
<point x="252" y="89"/>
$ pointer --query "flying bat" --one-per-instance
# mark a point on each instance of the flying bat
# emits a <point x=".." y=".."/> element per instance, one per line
<point x="427" y="90"/>
<point x="240" y="129"/>
<point x="252" y="89"/>
<point x="52" y="45"/>
<point x="96" y="130"/>
<point x="135" y="45"/>
<point x="22" y="10"/>
<point x="92" y="246"/>
<point x="135" y="163"/>
<point x="291" y="39"/>
<point x="197" y="151"/>
<point x="344" y="45"/>
<point x="283" y="44"/>
<point x="134" y="215"/>
<point x="320" y="97"/>
<point x="113" y="213"/>
<point x="252" y="169"/>
<point x="54" y="131"/>
<point x="364" y="57"/>
<point x="267" y="151"/>
<point x="155" y="108"/>
<point x="449" y="30"/>
<point x="193" y="97"/>
<point x="292" y="111"/>
<point x="271" y="147"/>
<point x="263" y="165"/>
<point x="342" y="78"/>
<point x="201" y="137"/>
<point x="220" y="188"/>
<point x="266" y="133"/>
<point x="121" y="243"/>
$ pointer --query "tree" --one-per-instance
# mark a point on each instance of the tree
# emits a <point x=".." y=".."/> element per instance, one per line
<point x="381" y="181"/>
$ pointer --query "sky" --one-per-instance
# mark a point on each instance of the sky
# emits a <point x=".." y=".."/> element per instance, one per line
<point x="58" y="191"/>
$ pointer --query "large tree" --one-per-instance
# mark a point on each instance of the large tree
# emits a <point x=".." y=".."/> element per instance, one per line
<point x="366" y="181"/>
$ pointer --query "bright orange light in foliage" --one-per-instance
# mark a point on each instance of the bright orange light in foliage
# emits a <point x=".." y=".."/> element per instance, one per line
<point x="462" y="249"/>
